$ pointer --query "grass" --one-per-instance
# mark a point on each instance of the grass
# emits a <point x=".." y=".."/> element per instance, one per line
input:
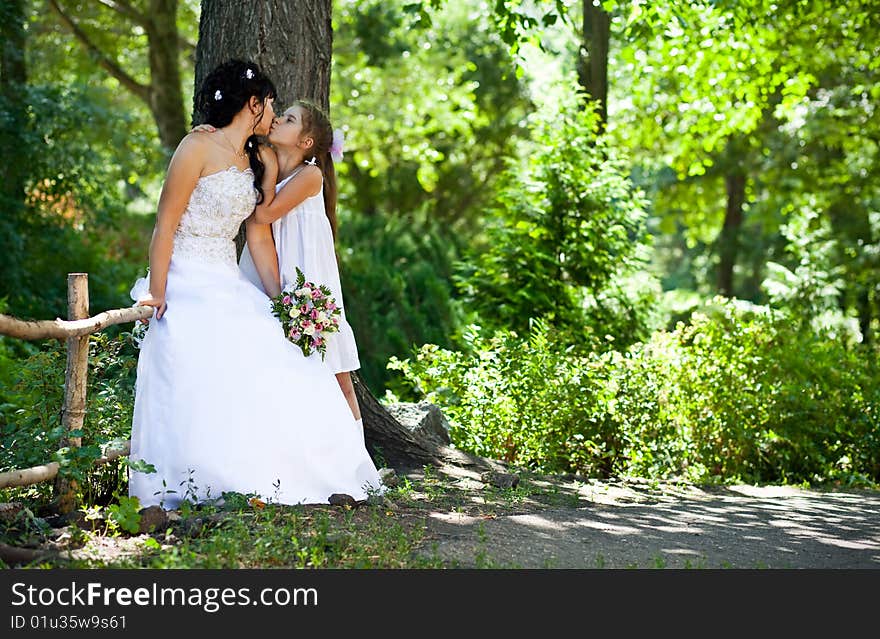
<point x="246" y="535"/>
<point x="254" y="536"/>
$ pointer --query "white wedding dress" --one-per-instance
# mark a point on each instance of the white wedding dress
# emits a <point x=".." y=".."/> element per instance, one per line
<point x="304" y="239"/>
<point x="223" y="401"/>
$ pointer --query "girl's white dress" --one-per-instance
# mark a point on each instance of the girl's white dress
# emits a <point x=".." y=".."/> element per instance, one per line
<point x="304" y="239"/>
<point x="223" y="401"/>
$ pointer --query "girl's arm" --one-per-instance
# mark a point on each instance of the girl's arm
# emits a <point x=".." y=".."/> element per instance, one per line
<point x="259" y="236"/>
<point x="183" y="174"/>
<point x="306" y="184"/>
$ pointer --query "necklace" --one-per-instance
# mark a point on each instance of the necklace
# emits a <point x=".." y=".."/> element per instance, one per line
<point x="240" y="154"/>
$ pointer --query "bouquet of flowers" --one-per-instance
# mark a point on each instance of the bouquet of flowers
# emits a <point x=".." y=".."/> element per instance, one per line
<point x="307" y="314"/>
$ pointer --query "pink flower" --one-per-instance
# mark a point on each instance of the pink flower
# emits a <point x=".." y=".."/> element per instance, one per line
<point x="304" y="309"/>
<point x="331" y="306"/>
<point x="319" y="327"/>
<point x="286" y="300"/>
<point x="314" y="314"/>
<point x="317" y="294"/>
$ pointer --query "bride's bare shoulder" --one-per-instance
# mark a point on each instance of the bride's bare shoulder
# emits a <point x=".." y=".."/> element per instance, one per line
<point x="194" y="141"/>
<point x="192" y="149"/>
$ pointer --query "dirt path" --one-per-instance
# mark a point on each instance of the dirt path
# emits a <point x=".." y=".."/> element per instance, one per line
<point x="549" y="522"/>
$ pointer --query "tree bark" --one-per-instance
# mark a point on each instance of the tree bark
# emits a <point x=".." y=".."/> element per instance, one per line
<point x="593" y="63"/>
<point x="386" y="438"/>
<point x="292" y="43"/>
<point x="166" y="95"/>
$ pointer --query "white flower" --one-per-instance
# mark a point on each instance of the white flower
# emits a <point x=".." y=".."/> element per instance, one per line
<point x="294" y="311"/>
<point x="217" y="94"/>
<point x="309" y="330"/>
<point x="250" y="74"/>
<point x="322" y="316"/>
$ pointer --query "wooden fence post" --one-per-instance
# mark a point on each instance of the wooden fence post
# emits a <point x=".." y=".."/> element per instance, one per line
<point x="74" y="409"/>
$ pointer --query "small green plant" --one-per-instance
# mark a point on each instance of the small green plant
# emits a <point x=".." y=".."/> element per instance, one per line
<point x="125" y="514"/>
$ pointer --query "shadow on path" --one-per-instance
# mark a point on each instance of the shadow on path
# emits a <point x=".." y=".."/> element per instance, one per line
<point x="621" y="526"/>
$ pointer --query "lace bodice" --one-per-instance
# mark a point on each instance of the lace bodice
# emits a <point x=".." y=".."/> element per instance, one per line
<point x="218" y="205"/>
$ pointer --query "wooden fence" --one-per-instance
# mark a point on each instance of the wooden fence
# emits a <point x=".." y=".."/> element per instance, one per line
<point x="75" y="330"/>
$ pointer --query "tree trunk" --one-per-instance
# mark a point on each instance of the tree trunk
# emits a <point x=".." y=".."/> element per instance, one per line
<point x="593" y="63"/>
<point x="386" y="438"/>
<point x="163" y="94"/>
<point x="292" y="44"/>
<point x="166" y="96"/>
<point x="728" y="244"/>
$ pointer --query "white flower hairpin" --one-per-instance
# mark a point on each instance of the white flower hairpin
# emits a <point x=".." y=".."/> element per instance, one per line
<point x="249" y="73"/>
<point x="217" y="94"/>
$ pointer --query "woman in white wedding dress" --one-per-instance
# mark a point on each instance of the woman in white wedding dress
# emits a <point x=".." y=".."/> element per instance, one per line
<point x="223" y="401"/>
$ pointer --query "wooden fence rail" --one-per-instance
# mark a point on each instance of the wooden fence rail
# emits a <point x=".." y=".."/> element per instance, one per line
<point x="75" y="330"/>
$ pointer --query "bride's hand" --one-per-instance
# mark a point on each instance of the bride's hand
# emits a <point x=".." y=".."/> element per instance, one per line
<point x="203" y="128"/>
<point x="156" y="302"/>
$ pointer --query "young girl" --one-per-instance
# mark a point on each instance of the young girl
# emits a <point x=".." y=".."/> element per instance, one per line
<point x="303" y="218"/>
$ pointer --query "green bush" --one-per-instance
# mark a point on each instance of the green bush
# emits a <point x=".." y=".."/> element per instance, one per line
<point x="768" y="402"/>
<point x="30" y="415"/>
<point x="565" y="240"/>
<point x="739" y="394"/>
<point x="523" y="400"/>
<point x="397" y="288"/>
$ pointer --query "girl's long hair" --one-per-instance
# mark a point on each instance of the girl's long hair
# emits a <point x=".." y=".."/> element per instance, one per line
<point x="316" y="124"/>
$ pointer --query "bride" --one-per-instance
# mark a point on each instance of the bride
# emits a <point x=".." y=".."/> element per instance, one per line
<point x="223" y="401"/>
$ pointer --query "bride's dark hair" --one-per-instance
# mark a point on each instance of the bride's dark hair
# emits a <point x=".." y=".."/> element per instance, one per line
<point x="224" y="92"/>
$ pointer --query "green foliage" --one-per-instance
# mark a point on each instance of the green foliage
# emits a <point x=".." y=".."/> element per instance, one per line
<point x="429" y="112"/>
<point x="740" y="394"/>
<point x="125" y="514"/>
<point x="783" y="92"/>
<point x="527" y="401"/>
<point x="758" y="400"/>
<point x="30" y="420"/>
<point x="569" y="229"/>
<point x="431" y="108"/>
<point x="30" y="430"/>
<point x="810" y="292"/>
<point x="69" y="218"/>
<point x="397" y="293"/>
